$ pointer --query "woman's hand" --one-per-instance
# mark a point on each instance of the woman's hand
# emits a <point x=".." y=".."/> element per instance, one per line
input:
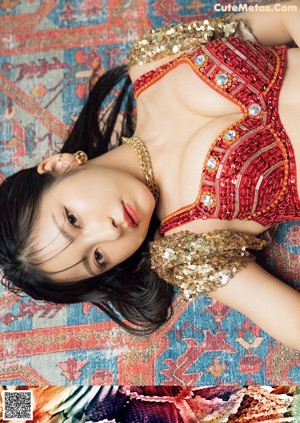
<point x="270" y="303"/>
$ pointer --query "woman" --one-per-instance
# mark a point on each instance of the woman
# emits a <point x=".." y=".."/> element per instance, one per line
<point x="74" y="231"/>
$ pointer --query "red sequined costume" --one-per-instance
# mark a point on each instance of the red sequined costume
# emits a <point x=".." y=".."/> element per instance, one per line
<point x="250" y="170"/>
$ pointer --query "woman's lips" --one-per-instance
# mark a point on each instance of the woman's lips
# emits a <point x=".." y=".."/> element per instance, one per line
<point x="130" y="215"/>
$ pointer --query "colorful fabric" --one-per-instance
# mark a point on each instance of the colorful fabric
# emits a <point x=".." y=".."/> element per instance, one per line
<point x="198" y="264"/>
<point x="154" y="404"/>
<point x="50" y="51"/>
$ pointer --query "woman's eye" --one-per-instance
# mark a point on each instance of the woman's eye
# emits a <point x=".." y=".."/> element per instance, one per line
<point x="71" y="218"/>
<point x="99" y="258"/>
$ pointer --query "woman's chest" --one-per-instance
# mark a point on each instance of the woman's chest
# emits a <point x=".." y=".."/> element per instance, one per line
<point x="212" y="89"/>
<point x="191" y="146"/>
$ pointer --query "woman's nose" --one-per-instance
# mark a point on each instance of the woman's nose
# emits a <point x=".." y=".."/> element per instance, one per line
<point x="104" y="230"/>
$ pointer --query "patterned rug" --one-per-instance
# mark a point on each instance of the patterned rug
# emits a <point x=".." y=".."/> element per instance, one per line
<point x="49" y="52"/>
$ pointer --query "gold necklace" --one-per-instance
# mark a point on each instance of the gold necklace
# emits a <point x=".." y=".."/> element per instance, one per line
<point x="145" y="163"/>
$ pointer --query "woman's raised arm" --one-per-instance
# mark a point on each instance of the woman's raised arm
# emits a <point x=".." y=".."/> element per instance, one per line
<point x="274" y="24"/>
<point x="270" y="303"/>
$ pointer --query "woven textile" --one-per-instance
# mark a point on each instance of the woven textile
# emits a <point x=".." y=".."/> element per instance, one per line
<point x="50" y="51"/>
<point x="162" y="404"/>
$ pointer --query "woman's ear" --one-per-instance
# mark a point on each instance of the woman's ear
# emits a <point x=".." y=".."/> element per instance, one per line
<point x="57" y="164"/>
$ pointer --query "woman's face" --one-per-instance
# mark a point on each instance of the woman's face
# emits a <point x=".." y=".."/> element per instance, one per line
<point x="90" y="220"/>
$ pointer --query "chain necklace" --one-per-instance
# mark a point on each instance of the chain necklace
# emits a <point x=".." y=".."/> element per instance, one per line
<point x="145" y="163"/>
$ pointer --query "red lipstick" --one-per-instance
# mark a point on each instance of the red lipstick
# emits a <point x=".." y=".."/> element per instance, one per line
<point x="130" y="215"/>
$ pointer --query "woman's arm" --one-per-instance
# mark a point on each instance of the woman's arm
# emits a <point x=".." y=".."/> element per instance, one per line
<point x="270" y="303"/>
<point x="279" y="25"/>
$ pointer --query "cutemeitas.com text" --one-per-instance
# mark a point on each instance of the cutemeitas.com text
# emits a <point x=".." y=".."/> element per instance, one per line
<point x="243" y="7"/>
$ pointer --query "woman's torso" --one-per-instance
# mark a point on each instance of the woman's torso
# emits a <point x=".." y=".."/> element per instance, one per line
<point x="180" y="116"/>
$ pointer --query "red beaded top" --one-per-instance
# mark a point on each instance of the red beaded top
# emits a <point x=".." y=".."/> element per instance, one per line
<point x="250" y="170"/>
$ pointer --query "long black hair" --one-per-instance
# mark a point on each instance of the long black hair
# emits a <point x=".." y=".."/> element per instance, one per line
<point x="130" y="291"/>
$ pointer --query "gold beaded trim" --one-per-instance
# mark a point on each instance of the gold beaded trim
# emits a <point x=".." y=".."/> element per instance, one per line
<point x="145" y="163"/>
<point x="200" y="263"/>
<point x="172" y="39"/>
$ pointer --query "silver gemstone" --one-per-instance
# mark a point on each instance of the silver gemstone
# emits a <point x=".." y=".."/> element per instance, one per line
<point x="207" y="200"/>
<point x="211" y="163"/>
<point x="200" y="59"/>
<point x="230" y="135"/>
<point x="254" y="109"/>
<point x="222" y="79"/>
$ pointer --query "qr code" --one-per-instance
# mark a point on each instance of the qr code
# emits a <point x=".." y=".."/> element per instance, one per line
<point x="17" y="405"/>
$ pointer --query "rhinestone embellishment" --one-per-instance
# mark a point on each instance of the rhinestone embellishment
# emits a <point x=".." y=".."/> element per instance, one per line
<point x="229" y="135"/>
<point x="254" y="109"/>
<point x="200" y="59"/>
<point x="222" y="79"/>
<point x="211" y="163"/>
<point x="207" y="200"/>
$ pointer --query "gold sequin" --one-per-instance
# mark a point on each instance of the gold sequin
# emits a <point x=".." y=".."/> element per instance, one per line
<point x="162" y="42"/>
<point x="199" y="263"/>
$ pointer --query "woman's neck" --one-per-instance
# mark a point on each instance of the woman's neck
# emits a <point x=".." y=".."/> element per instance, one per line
<point x="122" y="158"/>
